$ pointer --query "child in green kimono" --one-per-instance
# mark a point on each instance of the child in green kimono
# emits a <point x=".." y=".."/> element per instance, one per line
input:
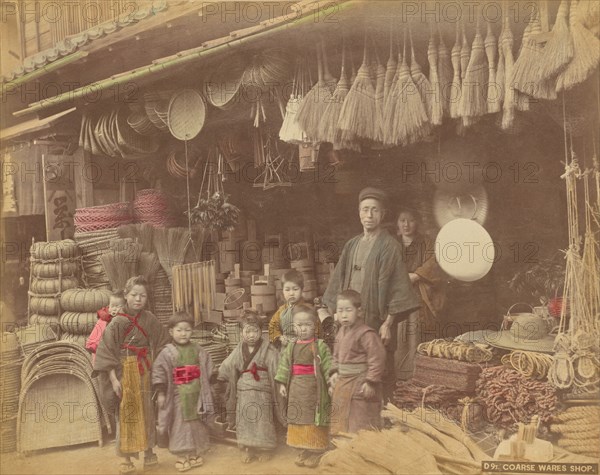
<point x="181" y="377"/>
<point x="249" y="372"/>
<point x="303" y="369"/>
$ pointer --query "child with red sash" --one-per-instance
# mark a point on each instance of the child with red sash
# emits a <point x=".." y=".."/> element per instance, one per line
<point x="181" y="377"/>
<point x="303" y="371"/>
<point x="249" y="372"/>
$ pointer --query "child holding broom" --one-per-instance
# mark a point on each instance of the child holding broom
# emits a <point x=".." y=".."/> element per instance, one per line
<point x="303" y="369"/>
<point x="281" y="328"/>
<point x="181" y="377"/>
<point x="357" y="370"/>
<point x="249" y="372"/>
<point x="124" y="361"/>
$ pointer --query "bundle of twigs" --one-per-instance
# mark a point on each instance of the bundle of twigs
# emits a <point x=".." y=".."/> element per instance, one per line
<point x="121" y="262"/>
<point x="171" y="245"/>
<point x="141" y="233"/>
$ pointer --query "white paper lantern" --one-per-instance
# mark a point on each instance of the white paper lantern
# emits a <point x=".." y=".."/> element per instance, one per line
<point x="464" y="250"/>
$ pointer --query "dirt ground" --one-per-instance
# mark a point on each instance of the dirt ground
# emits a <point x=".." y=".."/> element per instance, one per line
<point x="90" y="459"/>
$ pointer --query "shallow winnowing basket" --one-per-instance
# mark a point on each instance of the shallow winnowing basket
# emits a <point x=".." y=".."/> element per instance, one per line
<point x="58" y="404"/>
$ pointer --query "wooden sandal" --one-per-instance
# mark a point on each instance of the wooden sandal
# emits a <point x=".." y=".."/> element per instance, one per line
<point x="196" y="461"/>
<point x="150" y="460"/>
<point x="126" y="468"/>
<point x="183" y="465"/>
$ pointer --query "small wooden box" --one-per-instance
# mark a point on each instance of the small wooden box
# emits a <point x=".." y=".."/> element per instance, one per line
<point x="445" y="372"/>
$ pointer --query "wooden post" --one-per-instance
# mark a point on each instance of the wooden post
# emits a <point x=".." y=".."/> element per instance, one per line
<point x="59" y="197"/>
<point x="84" y="187"/>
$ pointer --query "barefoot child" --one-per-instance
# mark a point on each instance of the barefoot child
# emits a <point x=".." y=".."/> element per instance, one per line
<point x="249" y="372"/>
<point x="303" y="369"/>
<point x="124" y="360"/>
<point x="357" y="370"/>
<point x="281" y="327"/>
<point x="181" y="377"/>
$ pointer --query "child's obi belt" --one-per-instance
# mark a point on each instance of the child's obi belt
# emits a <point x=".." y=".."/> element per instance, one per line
<point x="254" y="369"/>
<point x="351" y="369"/>
<point x="302" y="369"/>
<point x="185" y="374"/>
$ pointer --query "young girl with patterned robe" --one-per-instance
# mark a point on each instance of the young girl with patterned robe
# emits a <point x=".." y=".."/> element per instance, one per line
<point x="303" y="371"/>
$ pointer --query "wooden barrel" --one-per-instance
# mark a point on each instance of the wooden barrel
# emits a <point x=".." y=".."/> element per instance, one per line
<point x="264" y="295"/>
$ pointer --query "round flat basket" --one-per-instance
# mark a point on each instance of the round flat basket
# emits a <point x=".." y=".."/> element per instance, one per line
<point x="186" y="114"/>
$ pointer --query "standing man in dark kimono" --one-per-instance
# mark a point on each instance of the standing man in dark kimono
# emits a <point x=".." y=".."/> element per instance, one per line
<point x="371" y="264"/>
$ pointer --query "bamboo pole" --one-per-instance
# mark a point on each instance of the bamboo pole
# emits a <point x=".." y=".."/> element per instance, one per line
<point x="59" y="63"/>
<point x="180" y="59"/>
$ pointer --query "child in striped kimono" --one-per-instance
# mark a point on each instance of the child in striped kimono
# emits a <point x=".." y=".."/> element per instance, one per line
<point x="249" y="373"/>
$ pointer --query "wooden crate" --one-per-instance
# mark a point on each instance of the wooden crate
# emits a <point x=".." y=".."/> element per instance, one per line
<point x="453" y="374"/>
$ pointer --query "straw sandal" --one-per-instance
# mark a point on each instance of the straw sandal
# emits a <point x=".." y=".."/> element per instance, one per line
<point x="313" y="460"/>
<point x="196" y="461"/>
<point x="301" y="458"/>
<point x="183" y="465"/>
<point x="265" y="456"/>
<point x="150" y="461"/>
<point x="246" y="456"/>
<point x="126" y="468"/>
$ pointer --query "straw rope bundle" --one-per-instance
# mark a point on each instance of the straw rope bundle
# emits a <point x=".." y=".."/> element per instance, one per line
<point x="445" y="73"/>
<point x="510" y="397"/>
<point x="528" y="363"/>
<point x="558" y="50"/>
<point x="456" y="88"/>
<point x="473" y="103"/>
<point x="586" y="53"/>
<point x="359" y="112"/>
<point x="436" y="102"/>
<point x="410" y="395"/>
<point x="527" y="75"/>
<point x="493" y="97"/>
<point x="578" y="428"/>
<point x="456" y="350"/>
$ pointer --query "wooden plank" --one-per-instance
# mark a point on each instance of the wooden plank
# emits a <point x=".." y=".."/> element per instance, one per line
<point x="84" y="187"/>
<point x="59" y="198"/>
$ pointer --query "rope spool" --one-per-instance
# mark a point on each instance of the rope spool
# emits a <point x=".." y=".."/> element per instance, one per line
<point x="44" y="305"/>
<point x="54" y="269"/>
<point x="78" y="323"/>
<point x="52" y="286"/>
<point x="54" y="249"/>
<point x="579" y="429"/>
<point x="84" y="300"/>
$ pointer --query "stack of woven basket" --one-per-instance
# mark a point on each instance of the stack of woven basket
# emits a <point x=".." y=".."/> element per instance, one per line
<point x="97" y="218"/>
<point x="152" y="206"/>
<point x="10" y="383"/>
<point x="92" y="244"/>
<point x="162" y="298"/>
<point x="58" y="404"/>
<point x="79" y="316"/>
<point x="54" y="269"/>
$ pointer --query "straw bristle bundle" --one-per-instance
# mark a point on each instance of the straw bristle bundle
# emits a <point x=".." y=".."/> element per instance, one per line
<point x="506" y="44"/>
<point x="456" y="79"/>
<point x="445" y="74"/>
<point x="410" y="116"/>
<point x="558" y="51"/>
<point x="586" y="53"/>
<point x="494" y="91"/>
<point x="472" y="101"/>
<point x="170" y="245"/>
<point x="148" y="266"/>
<point x="379" y="101"/>
<point x="436" y="104"/>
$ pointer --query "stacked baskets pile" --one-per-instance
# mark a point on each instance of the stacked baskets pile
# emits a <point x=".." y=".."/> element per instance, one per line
<point x="92" y="245"/>
<point x="97" y="218"/>
<point x="57" y="373"/>
<point x="214" y="343"/>
<point x="54" y="269"/>
<point x="152" y="206"/>
<point x="162" y="297"/>
<point x="10" y="384"/>
<point x="79" y="316"/>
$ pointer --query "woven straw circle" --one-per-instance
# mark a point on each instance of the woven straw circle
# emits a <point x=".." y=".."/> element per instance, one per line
<point x="186" y="114"/>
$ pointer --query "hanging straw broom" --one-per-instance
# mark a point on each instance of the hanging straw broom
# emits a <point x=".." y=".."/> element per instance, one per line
<point x="558" y="50"/>
<point x="313" y="104"/>
<point x="410" y="116"/>
<point x="586" y="53"/>
<point x="345" y="139"/>
<point x="390" y="71"/>
<point x="379" y="97"/>
<point x="465" y="54"/>
<point x="456" y="79"/>
<point x="445" y="73"/>
<point x="329" y="130"/>
<point x="291" y="131"/>
<point x="358" y="114"/>
<point x="493" y="89"/>
<point x="390" y="134"/>
<point x="506" y="45"/>
<point x="522" y="99"/>
<point x="527" y="76"/>
<point x="437" y="107"/>
<point x="473" y="103"/>
<point x="423" y="87"/>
